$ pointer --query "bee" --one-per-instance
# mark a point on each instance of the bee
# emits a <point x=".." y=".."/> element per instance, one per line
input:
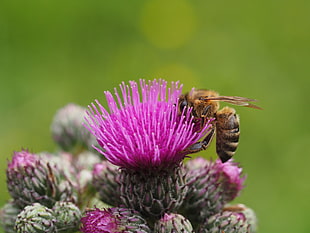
<point x="204" y="104"/>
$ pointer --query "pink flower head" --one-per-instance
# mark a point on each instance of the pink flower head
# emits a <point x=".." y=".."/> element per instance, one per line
<point x="22" y="159"/>
<point x="101" y="221"/>
<point x="143" y="129"/>
<point x="113" y="220"/>
<point x="232" y="178"/>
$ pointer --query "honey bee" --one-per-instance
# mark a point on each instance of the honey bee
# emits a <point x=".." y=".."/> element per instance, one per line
<point x="204" y="105"/>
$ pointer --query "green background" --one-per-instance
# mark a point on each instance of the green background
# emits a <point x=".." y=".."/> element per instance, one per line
<point x="56" y="52"/>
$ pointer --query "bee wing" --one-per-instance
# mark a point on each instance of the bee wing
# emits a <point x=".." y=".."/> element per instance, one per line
<point x="236" y="100"/>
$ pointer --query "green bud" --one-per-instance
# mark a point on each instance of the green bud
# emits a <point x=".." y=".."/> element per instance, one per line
<point x="68" y="217"/>
<point x="68" y="130"/>
<point x="153" y="194"/>
<point x="233" y="219"/>
<point x="36" y="218"/>
<point x="106" y="178"/>
<point x="30" y="179"/>
<point x="8" y="215"/>
<point x="173" y="223"/>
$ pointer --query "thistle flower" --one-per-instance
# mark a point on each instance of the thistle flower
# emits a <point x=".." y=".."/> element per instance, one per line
<point x="143" y="131"/>
<point x="113" y="220"/>
<point x="173" y="223"/>
<point x="211" y="185"/>
<point x="36" y="218"/>
<point x="30" y="180"/>
<point x="147" y="137"/>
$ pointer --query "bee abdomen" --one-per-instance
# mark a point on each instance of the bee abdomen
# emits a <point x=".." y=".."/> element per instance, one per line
<point x="227" y="133"/>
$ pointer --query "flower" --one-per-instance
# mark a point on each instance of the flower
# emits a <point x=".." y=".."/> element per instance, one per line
<point x="22" y="159"/>
<point x="113" y="220"/>
<point x="143" y="130"/>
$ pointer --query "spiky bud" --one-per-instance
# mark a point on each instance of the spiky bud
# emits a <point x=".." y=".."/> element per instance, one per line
<point x="63" y="161"/>
<point x="106" y="178"/>
<point x="153" y="194"/>
<point x="30" y="180"/>
<point x="36" y="218"/>
<point x="230" y="178"/>
<point x="68" y="131"/>
<point x="211" y="185"/>
<point x="245" y="213"/>
<point x="232" y="219"/>
<point x="68" y="217"/>
<point x="86" y="160"/>
<point x="173" y="223"/>
<point x="8" y="215"/>
<point x="84" y="163"/>
<point x="113" y="220"/>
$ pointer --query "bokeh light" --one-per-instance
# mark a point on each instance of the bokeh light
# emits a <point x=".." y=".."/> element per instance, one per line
<point x="168" y="24"/>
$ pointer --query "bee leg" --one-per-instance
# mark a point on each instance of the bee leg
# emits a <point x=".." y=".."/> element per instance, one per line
<point x="202" y="145"/>
<point x="204" y="116"/>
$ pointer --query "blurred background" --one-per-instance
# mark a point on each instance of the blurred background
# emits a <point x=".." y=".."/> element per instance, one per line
<point x="56" y="52"/>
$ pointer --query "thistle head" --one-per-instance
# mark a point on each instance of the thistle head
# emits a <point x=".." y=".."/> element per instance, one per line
<point x="173" y="223"/>
<point x="105" y="179"/>
<point x="231" y="178"/>
<point x="32" y="179"/>
<point x="68" y="131"/>
<point x="35" y="218"/>
<point x="143" y="130"/>
<point x="22" y="159"/>
<point x="113" y="220"/>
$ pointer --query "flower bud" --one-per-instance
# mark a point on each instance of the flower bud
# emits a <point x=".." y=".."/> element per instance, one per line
<point x="36" y="218"/>
<point x="153" y="194"/>
<point x="113" y="220"/>
<point x="68" y="130"/>
<point x="245" y="213"/>
<point x="68" y="216"/>
<point x="106" y="181"/>
<point x="84" y="163"/>
<point x="30" y="179"/>
<point x="233" y="219"/>
<point x="173" y="223"/>
<point x="8" y="215"/>
<point x="211" y="185"/>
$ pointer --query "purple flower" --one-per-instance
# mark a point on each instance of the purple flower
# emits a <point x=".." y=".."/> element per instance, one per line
<point x="99" y="221"/>
<point x="143" y="128"/>
<point x="113" y="220"/>
<point x="22" y="159"/>
<point x="231" y="178"/>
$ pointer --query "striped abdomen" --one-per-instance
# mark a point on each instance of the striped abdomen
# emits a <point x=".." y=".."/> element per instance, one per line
<point x="227" y="133"/>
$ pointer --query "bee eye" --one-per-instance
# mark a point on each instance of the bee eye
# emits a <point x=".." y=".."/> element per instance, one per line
<point x="183" y="104"/>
